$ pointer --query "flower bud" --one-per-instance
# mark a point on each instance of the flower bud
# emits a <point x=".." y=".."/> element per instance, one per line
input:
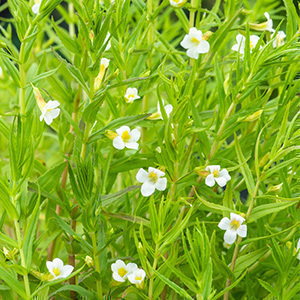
<point x="89" y="261"/>
<point x="254" y="116"/>
<point x="111" y="134"/>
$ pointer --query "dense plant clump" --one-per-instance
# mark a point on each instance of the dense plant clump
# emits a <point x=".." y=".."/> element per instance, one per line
<point x="149" y="149"/>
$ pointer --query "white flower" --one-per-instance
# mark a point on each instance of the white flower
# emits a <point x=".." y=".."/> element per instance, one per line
<point x="241" y="40"/>
<point x="263" y="26"/>
<point x="1" y="72"/>
<point x="177" y="3"/>
<point x="126" y="138"/>
<point x="279" y="39"/>
<point x="194" y="43"/>
<point x="49" y="110"/>
<point x="137" y="276"/>
<point x="104" y="63"/>
<point x="106" y="38"/>
<point x="151" y="180"/>
<point x="131" y="95"/>
<point x="168" y="109"/>
<point x="36" y="8"/>
<point x="233" y="227"/>
<point x="221" y="177"/>
<point x="57" y="268"/>
<point x="297" y="249"/>
<point x="121" y="271"/>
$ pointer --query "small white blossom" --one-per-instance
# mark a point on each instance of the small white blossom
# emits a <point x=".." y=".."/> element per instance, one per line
<point x="57" y="268"/>
<point x="36" y="8"/>
<point x="194" y="43"/>
<point x="131" y="95"/>
<point x="241" y="41"/>
<point x="297" y="249"/>
<point x="168" y="109"/>
<point x="121" y="271"/>
<point x="279" y="39"/>
<point x="1" y="72"/>
<point x="151" y="180"/>
<point x="126" y="138"/>
<point x="108" y="44"/>
<point x="268" y="26"/>
<point x="177" y="3"/>
<point x="137" y="276"/>
<point x="221" y="177"/>
<point x="233" y="228"/>
<point x="50" y="111"/>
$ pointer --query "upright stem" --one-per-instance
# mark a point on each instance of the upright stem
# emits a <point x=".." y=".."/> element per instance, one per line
<point x="149" y="63"/>
<point x="23" y="263"/>
<point x="150" y="293"/>
<point x="192" y="14"/>
<point x="97" y="265"/>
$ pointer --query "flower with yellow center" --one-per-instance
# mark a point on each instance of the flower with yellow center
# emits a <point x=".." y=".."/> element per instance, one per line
<point x="177" y="3"/>
<point x="233" y="228"/>
<point x="265" y="26"/>
<point x="279" y="41"/>
<point x="241" y="41"/>
<point x="137" y="277"/>
<point x="221" y="177"/>
<point x="151" y="180"/>
<point x="158" y="115"/>
<point x="49" y="110"/>
<point x="194" y="43"/>
<point x="131" y="95"/>
<point x="104" y="63"/>
<point x="121" y="270"/>
<point x="126" y="138"/>
<point x="57" y="268"/>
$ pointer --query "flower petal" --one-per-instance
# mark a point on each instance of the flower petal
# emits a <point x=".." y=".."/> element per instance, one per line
<point x="210" y="180"/>
<point x="161" y="184"/>
<point x="66" y="271"/>
<point x="224" y="173"/>
<point x="54" y="113"/>
<point x="159" y="173"/>
<point x="239" y="218"/>
<point x="230" y="236"/>
<point x="117" y="277"/>
<point x="132" y="145"/>
<point x="147" y="189"/>
<point x="213" y="168"/>
<point x="120" y="130"/>
<point x="186" y="42"/>
<point x="192" y="52"/>
<point x="118" y="143"/>
<point x="58" y="263"/>
<point x="221" y="181"/>
<point x="48" y="119"/>
<point x="224" y="224"/>
<point x="242" y="231"/>
<point x="203" y="47"/>
<point x="142" y="176"/>
<point x="135" y="135"/>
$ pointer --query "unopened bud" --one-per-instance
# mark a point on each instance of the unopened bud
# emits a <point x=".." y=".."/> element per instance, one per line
<point x="264" y="160"/>
<point x="254" y="116"/>
<point x="201" y="172"/>
<point x="9" y="254"/>
<point x="111" y="134"/>
<point x="89" y="261"/>
<point x="275" y="188"/>
<point x="206" y="36"/>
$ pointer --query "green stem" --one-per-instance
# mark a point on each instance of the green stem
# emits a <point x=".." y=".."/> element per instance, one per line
<point x="192" y="14"/>
<point x="97" y="265"/>
<point x="150" y="293"/>
<point x="23" y="263"/>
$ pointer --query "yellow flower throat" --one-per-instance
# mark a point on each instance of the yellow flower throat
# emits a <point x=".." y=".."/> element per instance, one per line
<point x="195" y="41"/>
<point x="56" y="271"/>
<point x="125" y="136"/>
<point x="122" y="272"/>
<point x="153" y="177"/>
<point x="216" y="173"/>
<point x="235" y="224"/>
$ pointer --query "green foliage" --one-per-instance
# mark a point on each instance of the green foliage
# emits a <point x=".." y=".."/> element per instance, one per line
<point x="66" y="192"/>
